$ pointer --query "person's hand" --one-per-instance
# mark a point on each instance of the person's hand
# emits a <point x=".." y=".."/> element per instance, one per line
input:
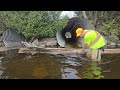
<point x="83" y="51"/>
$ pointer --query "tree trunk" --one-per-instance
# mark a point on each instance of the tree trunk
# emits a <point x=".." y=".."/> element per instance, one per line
<point x="84" y="14"/>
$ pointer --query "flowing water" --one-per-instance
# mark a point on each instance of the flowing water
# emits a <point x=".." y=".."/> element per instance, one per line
<point x="47" y="66"/>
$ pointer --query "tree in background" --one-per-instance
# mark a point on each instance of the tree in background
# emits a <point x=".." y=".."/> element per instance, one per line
<point x="47" y="23"/>
<point x="106" y="22"/>
<point x="34" y="23"/>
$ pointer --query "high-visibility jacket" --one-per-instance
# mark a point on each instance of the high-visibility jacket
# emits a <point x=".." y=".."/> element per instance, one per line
<point x="93" y="39"/>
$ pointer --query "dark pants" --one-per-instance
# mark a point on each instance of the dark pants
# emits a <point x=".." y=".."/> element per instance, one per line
<point x="102" y="48"/>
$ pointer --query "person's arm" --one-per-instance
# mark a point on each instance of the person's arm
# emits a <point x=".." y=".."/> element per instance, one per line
<point x="84" y="47"/>
<point x="86" y="43"/>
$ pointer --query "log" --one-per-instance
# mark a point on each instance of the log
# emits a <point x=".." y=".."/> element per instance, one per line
<point x="64" y="50"/>
<point x="57" y="50"/>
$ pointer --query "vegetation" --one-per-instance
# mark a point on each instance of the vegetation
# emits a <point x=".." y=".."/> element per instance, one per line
<point x="93" y="72"/>
<point x="106" y="22"/>
<point x="34" y="23"/>
<point x="47" y="23"/>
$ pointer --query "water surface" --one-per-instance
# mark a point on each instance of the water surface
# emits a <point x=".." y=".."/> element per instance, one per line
<point x="46" y="66"/>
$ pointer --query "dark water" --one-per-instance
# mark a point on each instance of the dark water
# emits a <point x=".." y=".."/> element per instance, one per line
<point x="46" y="66"/>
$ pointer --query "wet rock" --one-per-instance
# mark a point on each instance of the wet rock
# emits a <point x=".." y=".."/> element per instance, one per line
<point x="11" y="53"/>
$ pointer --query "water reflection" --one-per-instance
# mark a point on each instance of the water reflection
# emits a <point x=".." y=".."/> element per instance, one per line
<point x="9" y="53"/>
<point x="113" y="63"/>
<point x="39" y="66"/>
<point x="83" y="70"/>
<point x="93" y="71"/>
<point x="46" y="66"/>
<point x="69" y="73"/>
<point x="70" y="65"/>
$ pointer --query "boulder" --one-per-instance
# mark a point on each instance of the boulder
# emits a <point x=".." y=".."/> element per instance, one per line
<point x="51" y="43"/>
<point x="12" y="39"/>
<point x="112" y="38"/>
<point x="45" y="42"/>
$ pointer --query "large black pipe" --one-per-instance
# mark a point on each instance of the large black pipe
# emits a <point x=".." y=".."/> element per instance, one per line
<point x="67" y="35"/>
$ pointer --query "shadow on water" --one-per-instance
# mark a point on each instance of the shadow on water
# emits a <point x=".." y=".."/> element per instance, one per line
<point x="46" y="66"/>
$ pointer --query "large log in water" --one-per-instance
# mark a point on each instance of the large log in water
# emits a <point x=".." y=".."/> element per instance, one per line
<point x="57" y="50"/>
<point x="63" y="50"/>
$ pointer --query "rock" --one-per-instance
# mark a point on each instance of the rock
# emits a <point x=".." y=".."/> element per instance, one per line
<point x="1" y="38"/>
<point x="111" y="45"/>
<point x="2" y="44"/>
<point x="45" y="42"/>
<point x="51" y="43"/>
<point x="12" y="39"/>
<point x="39" y="44"/>
<point x="42" y="45"/>
<point x="13" y="44"/>
<point x="11" y="53"/>
<point x="118" y="45"/>
<point x="112" y="38"/>
<point x="36" y="42"/>
<point x="1" y="41"/>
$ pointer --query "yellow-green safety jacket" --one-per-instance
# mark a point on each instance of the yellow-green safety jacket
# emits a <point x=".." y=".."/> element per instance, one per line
<point x="93" y="39"/>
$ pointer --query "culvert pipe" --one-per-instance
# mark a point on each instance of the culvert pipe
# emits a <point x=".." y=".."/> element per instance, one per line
<point x="67" y="37"/>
